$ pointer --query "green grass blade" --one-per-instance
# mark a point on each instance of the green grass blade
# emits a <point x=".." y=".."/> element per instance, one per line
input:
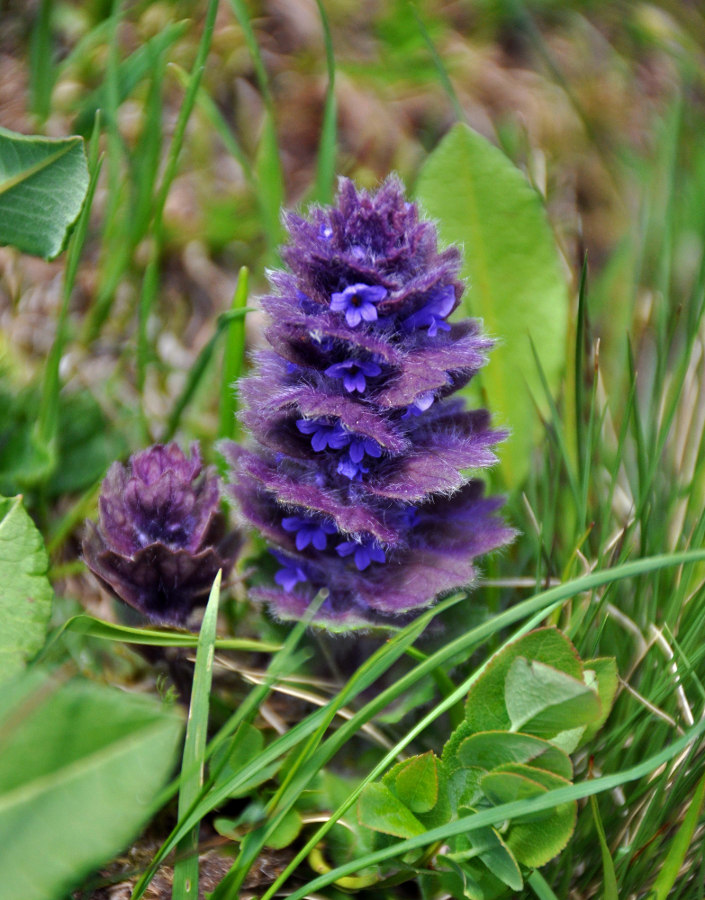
<point x="268" y="168"/>
<point x="41" y="70"/>
<point x="672" y="865"/>
<point x="233" y="359"/>
<point x="205" y="103"/>
<point x="131" y="71"/>
<point x="270" y="184"/>
<point x="193" y="816"/>
<point x="443" y="75"/>
<point x="325" y="169"/>
<point x="199" y="368"/>
<point x="536" y="607"/>
<point x="242" y="14"/>
<point x="580" y="337"/>
<point x="185" y="884"/>
<point x="150" y="284"/>
<point x="540" y="886"/>
<point x="47" y="419"/>
<point x="149" y="637"/>
<point x="609" y="878"/>
<point x="449" y="702"/>
<point x="312" y="757"/>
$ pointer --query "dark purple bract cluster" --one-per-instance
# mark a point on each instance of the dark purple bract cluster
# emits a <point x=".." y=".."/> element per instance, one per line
<point x="161" y="537"/>
<point x="356" y="474"/>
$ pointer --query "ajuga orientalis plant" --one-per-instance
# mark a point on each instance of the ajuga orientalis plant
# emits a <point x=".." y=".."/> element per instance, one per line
<point x="355" y="473"/>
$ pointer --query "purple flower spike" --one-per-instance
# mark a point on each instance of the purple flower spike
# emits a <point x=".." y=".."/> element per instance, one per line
<point x="374" y="508"/>
<point x="161" y="536"/>
<point x="354" y="372"/>
<point x="363" y="554"/>
<point x="357" y="301"/>
<point x="433" y="313"/>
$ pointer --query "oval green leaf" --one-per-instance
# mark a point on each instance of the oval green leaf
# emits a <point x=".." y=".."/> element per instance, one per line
<point x="43" y="183"/>
<point x="80" y="767"/>
<point x="25" y="593"/>
<point x="544" y="701"/>
<point x="489" y="749"/>
<point x="483" y="203"/>
<point x="416" y="783"/>
<point x="379" y="809"/>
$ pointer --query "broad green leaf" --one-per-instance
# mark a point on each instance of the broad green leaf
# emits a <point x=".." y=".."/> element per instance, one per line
<point x="507" y="785"/>
<point x="475" y="878"/>
<point x="489" y="749"/>
<point x="536" y="843"/>
<point x="485" y="205"/>
<point x="533" y="843"/>
<point x="80" y="767"/>
<point x="464" y="786"/>
<point x="506" y="782"/>
<point x="416" y="783"/>
<point x="568" y="741"/>
<point x="461" y="880"/>
<point x="606" y="679"/>
<point x="495" y="854"/>
<point x="286" y="831"/>
<point x="484" y="708"/>
<point x="43" y="183"/>
<point x="25" y="592"/>
<point x="379" y="809"/>
<point x="244" y="747"/>
<point x="543" y="701"/>
<point x="537" y="838"/>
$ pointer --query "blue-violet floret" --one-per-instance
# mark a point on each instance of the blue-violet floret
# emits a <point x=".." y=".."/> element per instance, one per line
<point x="355" y="474"/>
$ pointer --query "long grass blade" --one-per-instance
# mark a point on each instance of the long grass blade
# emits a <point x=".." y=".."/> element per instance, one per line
<point x="325" y="169"/>
<point x="149" y="637"/>
<point x="151" y="279"/>
<point x="185" y="884"/>
<point x="233" y="359"/>
<point x="200" y="367"/>
<point x="609" y="878"/>
<point x="47" y="419"/>
<point x="672" y="865"/>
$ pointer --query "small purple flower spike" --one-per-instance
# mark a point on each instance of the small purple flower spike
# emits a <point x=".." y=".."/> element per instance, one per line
<point x="161" y="537"/>
<point x="354" y="373"/>
<point x="374" y="507"/>
<point x="357" y="301"/>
